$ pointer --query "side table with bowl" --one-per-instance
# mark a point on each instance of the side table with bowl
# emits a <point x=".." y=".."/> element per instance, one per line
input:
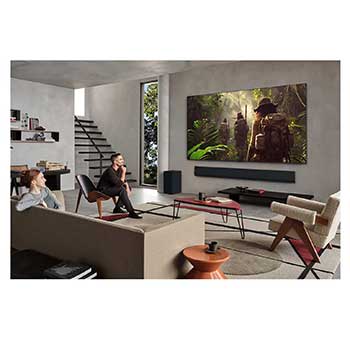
<point x="206" y="263"/>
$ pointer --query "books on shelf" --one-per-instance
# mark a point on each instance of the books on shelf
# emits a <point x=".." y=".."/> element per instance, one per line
<point x="50" y="165"/>
<point x="33" y="123"/>
<point x="220" y="199"/>
<point x="70" y="270"/>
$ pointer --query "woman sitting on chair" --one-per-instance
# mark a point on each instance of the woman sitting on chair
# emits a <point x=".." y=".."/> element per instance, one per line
<point x="38" y="193"/>
<point x="113" y="183"/>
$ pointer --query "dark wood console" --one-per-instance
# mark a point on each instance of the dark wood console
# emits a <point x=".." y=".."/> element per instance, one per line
<point x="265" y="198"/>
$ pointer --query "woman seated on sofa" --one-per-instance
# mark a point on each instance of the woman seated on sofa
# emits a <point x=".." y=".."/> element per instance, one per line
<point x="38" y="193"/>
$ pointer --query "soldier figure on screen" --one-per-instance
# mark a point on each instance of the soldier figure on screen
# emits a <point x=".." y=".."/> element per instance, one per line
<point x="241" y="129"/>
<point x="224" y="131"/>
<point x="270" y="140"/>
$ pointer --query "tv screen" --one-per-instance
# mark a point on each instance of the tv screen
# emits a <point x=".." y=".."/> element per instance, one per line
<point x="258" y="125"/>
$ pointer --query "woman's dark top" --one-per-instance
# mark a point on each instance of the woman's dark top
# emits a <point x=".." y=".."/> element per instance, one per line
<point x="110" y="182"/>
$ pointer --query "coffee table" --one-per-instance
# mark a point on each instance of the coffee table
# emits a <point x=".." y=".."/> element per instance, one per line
<point x="205" y="265"/>
<point x="212" y="207"/>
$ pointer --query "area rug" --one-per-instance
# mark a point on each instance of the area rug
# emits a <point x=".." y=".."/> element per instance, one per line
<point x="251" y="258"/>
<point x="248" y="258"/>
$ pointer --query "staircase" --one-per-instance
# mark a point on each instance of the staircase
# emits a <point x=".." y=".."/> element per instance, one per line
<point x="90" y="143"/>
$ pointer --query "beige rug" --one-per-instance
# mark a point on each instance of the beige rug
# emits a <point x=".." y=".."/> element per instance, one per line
<point x="248" y="258"/>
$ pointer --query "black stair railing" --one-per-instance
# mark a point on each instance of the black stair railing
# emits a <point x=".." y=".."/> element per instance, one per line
<point x="92" y="141"/>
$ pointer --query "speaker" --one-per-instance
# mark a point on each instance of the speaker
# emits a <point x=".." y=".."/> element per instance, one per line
<point x="172" y="181"/>
<point x="246" y="174"/>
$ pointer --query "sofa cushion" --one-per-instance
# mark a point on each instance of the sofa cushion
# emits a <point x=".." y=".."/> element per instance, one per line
<point x="147" y="223"/>
<point x="60" y="197"/>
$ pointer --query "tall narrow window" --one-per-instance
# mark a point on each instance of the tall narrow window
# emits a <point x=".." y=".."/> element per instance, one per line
<point x="79" y="102"/>
<point x="149" y="133"/>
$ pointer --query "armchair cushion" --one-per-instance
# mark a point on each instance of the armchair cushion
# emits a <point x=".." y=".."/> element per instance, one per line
<point x="275" y="224"/>
<point x="305" y="215"/>
<point x="322" y="230"/>
<point x="306" y="203"/>
<point x="331" y="212"/>
<point x="60" y="197"/>
<point x="318" y="240"/>
<point x="93" y="196"/>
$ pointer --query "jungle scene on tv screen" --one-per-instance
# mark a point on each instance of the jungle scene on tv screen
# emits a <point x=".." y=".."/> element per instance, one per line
<point x="258" y="125"/>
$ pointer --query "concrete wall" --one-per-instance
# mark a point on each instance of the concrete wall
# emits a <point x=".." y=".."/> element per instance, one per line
<point x="320" y="176"/>
<point x="54" y="106"/>
<point x="115" y="108"/>
<point x="163" y="128"/>
<point x="82" y="167"/>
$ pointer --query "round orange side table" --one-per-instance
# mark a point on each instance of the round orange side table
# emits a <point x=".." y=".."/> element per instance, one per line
<point x="205" y="265"/>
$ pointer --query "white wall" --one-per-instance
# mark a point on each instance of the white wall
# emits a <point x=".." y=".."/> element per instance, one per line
<point x="81" y="167"/>
<point x="115" y="108"/>
<point x="54" y="106"/>
<point x="320" y="176"/>
<point x="163" y="128"/>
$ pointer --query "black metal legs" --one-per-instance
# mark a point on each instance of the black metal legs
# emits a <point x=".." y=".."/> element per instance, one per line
<point x="14" y="185"/>
<point x="224" y="215"/>
<point x="176" y="208"/>
<point x="240" y="221"/>
<point x="78" y="200"/>
<point x="239" y="216"/>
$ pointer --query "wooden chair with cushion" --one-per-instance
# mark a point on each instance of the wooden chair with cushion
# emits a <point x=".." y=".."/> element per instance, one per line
<point x="88" y="189"/>
<point x="313" y="222"/>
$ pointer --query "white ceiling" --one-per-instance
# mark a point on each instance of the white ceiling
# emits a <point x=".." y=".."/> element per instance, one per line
<point x="80" y="74"/>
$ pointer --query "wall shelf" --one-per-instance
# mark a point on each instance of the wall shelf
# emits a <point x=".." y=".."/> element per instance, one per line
<point x="31" y="141"/>
<point x="17" y="135"/>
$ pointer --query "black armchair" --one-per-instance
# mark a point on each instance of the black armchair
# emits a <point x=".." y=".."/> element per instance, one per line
<point x="88" y="189"/>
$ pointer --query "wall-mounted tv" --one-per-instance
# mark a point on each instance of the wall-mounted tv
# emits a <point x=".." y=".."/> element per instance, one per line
<point x="258" y="125"/>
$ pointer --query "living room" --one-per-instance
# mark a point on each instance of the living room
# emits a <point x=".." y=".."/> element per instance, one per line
<point x="203" y="222"/>
<point x="41" y="89"/>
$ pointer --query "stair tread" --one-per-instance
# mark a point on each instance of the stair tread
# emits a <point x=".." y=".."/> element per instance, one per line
<point x="92" y="138"/>
<point x="86" y="126"/>
<point x="95" y="152"/>
<point x="128" y="180"/>
<point x="89" y="132"/>
<point x="85" y="120"/>
<point x="105" y="167"/>
<point x="90" y="145"/>
<point x="97" y="167"/>
<point x="96" y="159"/>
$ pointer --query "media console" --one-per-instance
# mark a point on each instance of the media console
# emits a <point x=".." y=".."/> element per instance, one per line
<point x="261" y="198"/>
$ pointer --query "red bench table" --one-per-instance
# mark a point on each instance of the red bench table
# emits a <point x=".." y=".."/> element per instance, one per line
<point x="212" y="207"/>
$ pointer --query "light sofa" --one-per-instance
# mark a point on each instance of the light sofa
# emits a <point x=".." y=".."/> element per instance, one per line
<point x="115" y="249"/>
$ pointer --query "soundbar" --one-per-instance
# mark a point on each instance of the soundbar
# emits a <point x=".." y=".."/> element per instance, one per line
<point x="246" y="174"/>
